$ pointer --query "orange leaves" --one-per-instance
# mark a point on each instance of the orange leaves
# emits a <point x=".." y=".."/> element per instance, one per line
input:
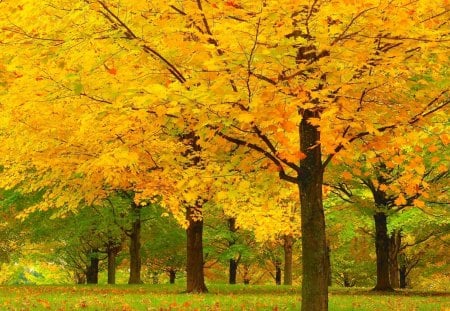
<point x="400" y="200"/>
<point x="112" y="71"/>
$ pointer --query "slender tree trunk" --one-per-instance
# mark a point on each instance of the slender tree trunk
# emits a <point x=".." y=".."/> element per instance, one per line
<point x="194" y="267"/>
<point x="92" y="269"/>
<point x="135" y="246"/>
<point x="232" y="273"/>
<point x="287" y="246"/>
<point x="111" y="266"/>
<point x="172" y="276"/>
<point x="314" y="248"/>
<point x="403" y="275"/>
<point x="277" y="272"/>
<point x="394" y="249"/>
<point x="246" y="275"/>
<point x="382" y="251"/>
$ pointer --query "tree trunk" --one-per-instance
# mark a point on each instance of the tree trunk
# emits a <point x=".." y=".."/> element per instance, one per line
<point x="92" y="269"/>
<point x="403" y="275"/>
<point x="135" y="246"/>
<point x="315" y="268"/>
<point x="111" y="266"/>
<point x="277" y="272"/>
<point x="382" y="251"/>
<point x="172" y="276"/>
<point x="194" y="267"/>
<point x="246" y="275"/>
<point x="287" y="246"/>
<point x="233" y="271"/>
<point x="233" y="262"/>
<point x="394" y="249"/>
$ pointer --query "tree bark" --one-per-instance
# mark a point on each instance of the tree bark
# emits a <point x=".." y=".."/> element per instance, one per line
<point x="135" y="246"/>
<point x="382" y="251"/>
<point x="232" y="273"/>
<point x="172" y="276"/>
<point x="315" y="269"/>
<point x="287" y="246"/>
<point x="394" y="249"/>
<point x="277" y="272"/>
<point x="92" y="269"/>
<point x="194" y="267"/>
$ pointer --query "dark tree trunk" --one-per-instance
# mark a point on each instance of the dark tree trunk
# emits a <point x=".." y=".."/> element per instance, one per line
<point x="232" y="273"/>
<point x="92" y="269"/>
<point x="172" y="276"/>
<point x="287" y="246"/>
<point x="135" y="246"/>
<point x="112" y="251"/>
<point x="315" y="268"/>
<point x="403" y="274"/>
<point x="278" y="272"/>
<point x="194" y="267"/>
<point x="382" y="251"/>
<point x="394" y="249"/>
<point x="111" y="267"/>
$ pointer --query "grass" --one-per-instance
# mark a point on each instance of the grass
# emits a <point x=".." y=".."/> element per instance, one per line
<point x="221" y="297"/>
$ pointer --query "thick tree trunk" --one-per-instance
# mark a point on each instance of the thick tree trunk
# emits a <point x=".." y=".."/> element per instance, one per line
<point x="277" y="272"/>
<point x="172" y="276"/>
<point x="394" y="249"/>
<point x="382" y="252"/>
<point x="135" y="246"/>
<point x="287" y="246"/>
<point x="232" y="273"/>
<point x="314" y="248"/>
<point x="92" y="269"/>
<point x="194" y="267"/>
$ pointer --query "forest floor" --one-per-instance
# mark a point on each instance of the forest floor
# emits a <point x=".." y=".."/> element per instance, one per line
<point x="221" y="297"/>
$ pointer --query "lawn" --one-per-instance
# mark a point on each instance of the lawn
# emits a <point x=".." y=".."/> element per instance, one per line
<point x="221" y="297"/>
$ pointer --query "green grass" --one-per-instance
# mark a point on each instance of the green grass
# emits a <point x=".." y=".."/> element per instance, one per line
<point x="221" y="297"/>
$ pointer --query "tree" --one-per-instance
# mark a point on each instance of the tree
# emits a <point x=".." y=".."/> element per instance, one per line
<point x="399" y="176"/>
<point x="290" y="82"/>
